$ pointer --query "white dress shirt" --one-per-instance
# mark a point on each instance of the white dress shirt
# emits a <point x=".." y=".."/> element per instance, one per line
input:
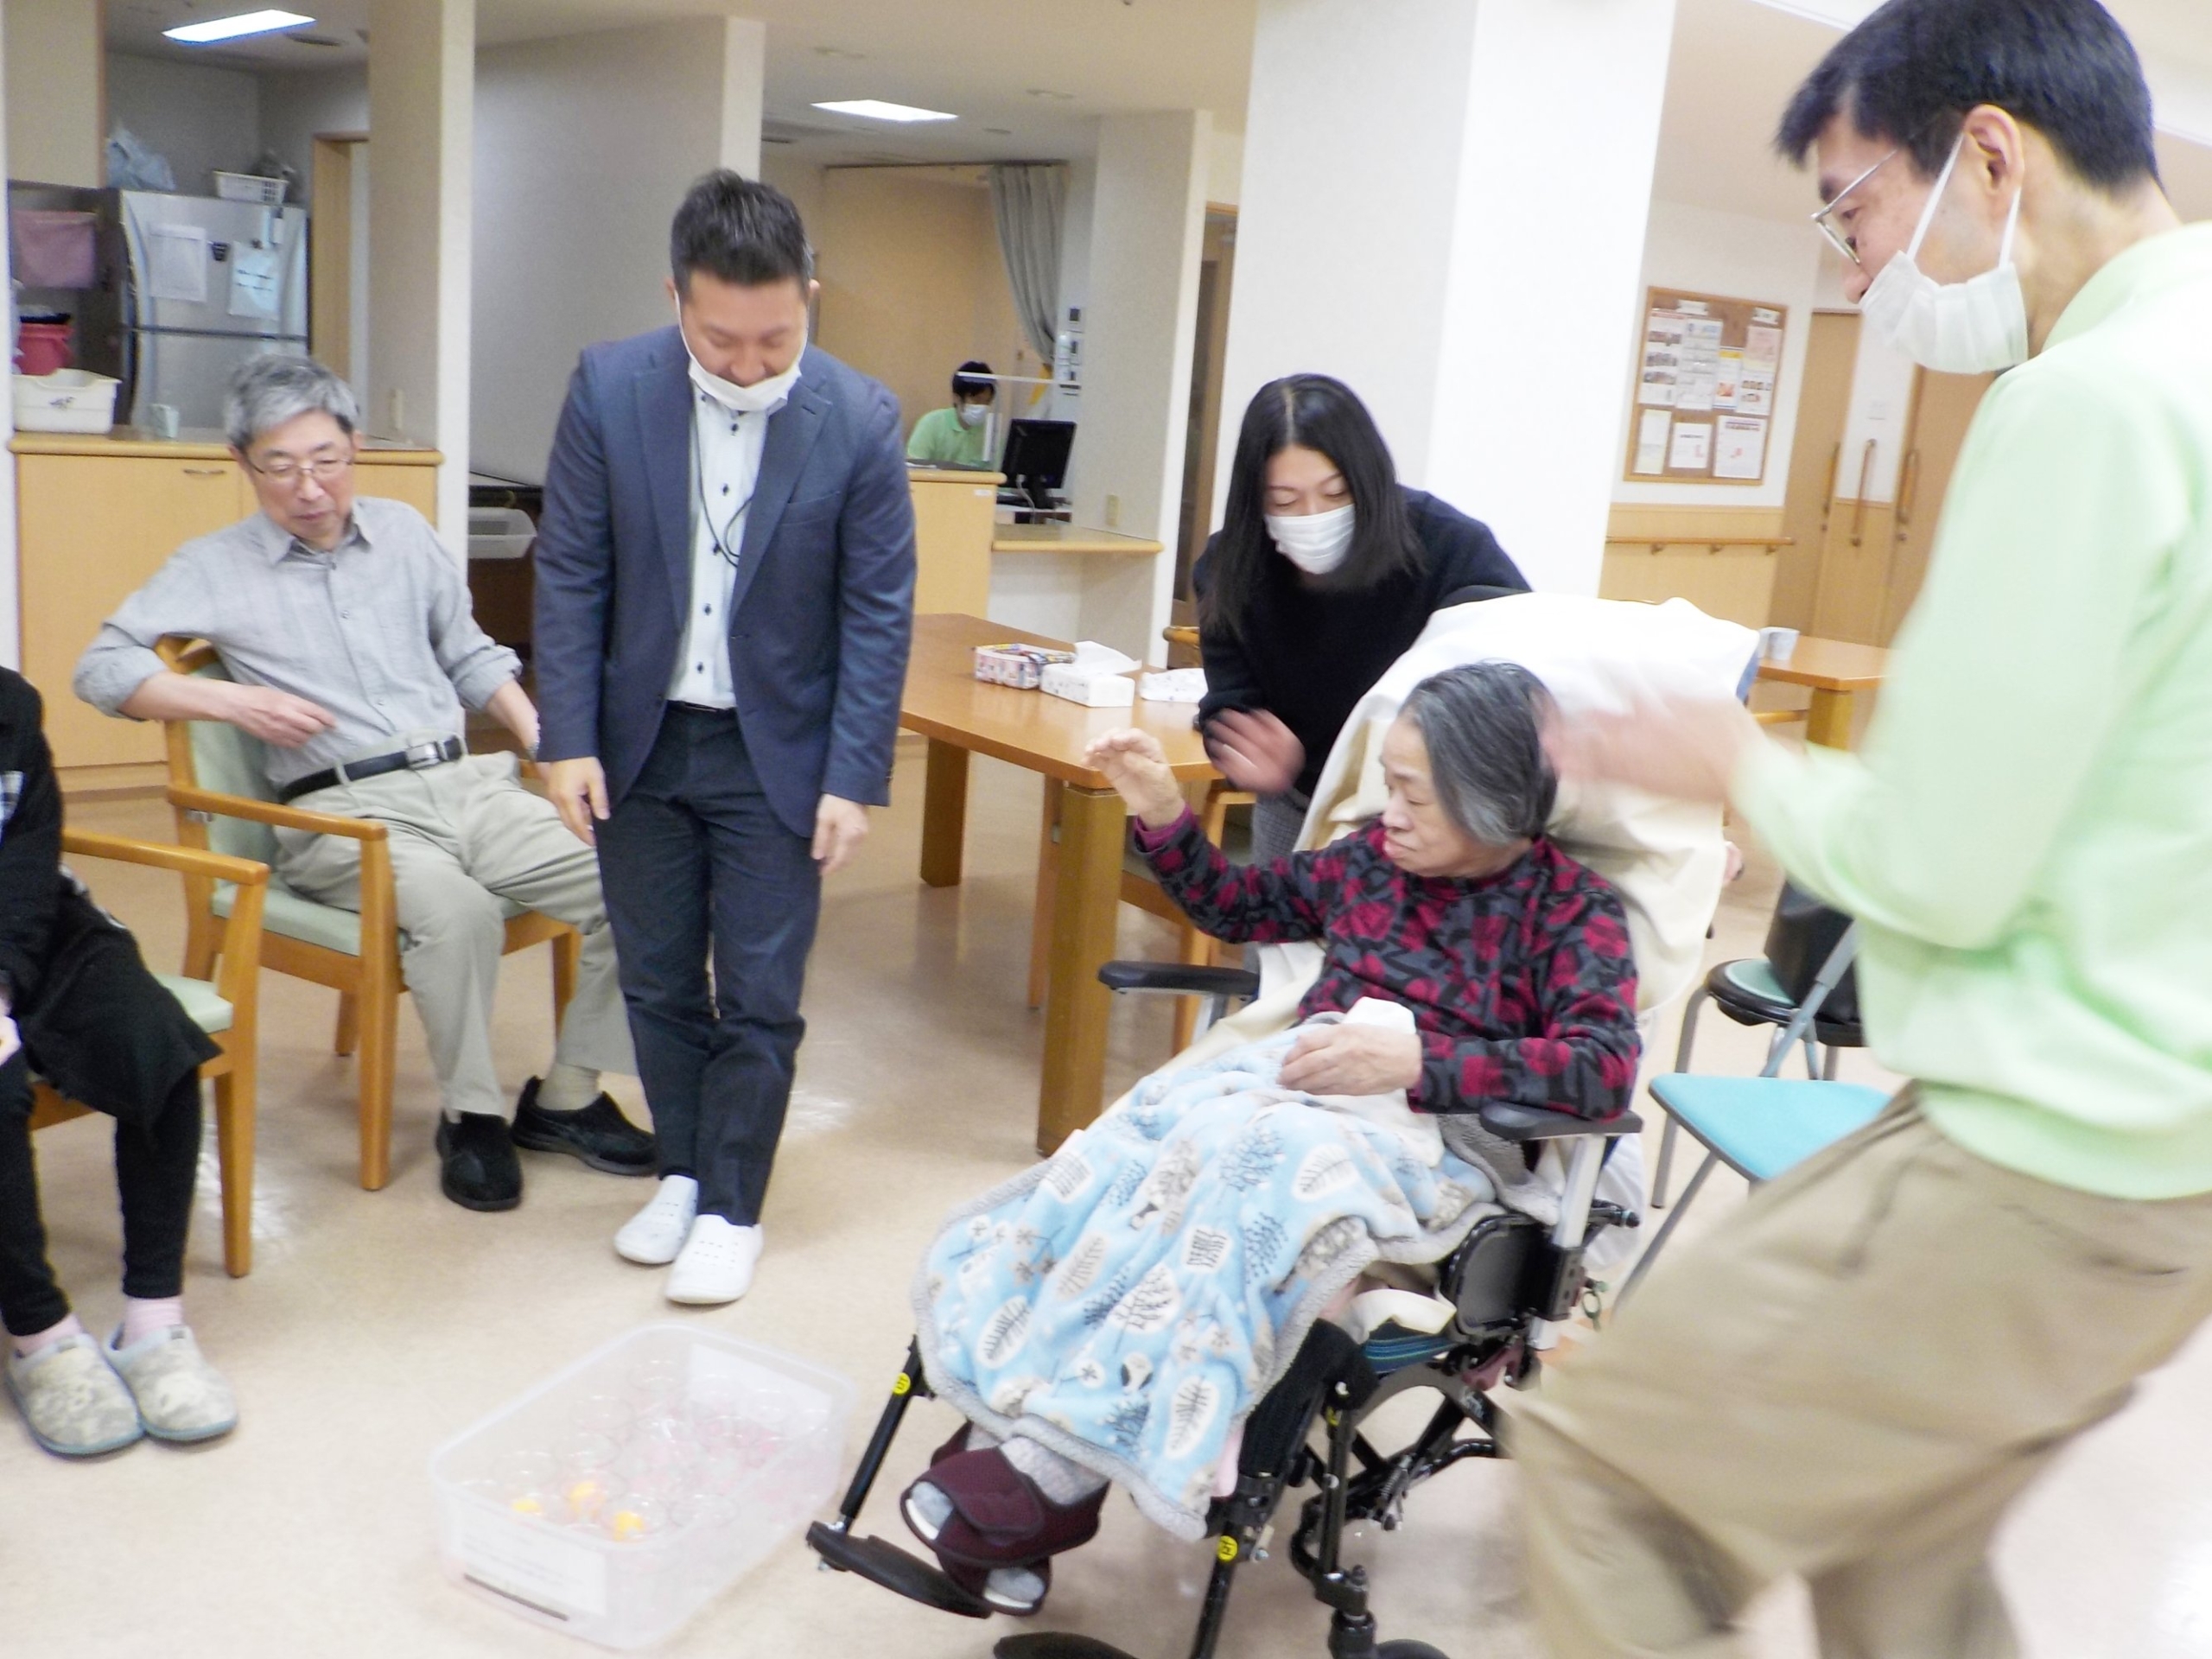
<point x="725" y="465"/>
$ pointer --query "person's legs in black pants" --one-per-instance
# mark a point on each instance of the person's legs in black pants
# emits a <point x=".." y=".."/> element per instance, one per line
<point x="767" y="897"/>
<point x="30" y="1300"/>
<point x="155" y="1167"/>
<point x="652" y="870"/>
<point x="695" y="849"/>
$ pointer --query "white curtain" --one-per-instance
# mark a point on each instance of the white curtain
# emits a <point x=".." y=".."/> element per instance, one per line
<point x="1026" y="199"/>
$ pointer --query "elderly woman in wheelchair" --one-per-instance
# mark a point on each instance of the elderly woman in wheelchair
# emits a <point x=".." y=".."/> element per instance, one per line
<point x="1155" y="1305"/>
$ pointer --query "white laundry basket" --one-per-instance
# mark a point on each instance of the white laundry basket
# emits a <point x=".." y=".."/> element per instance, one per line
<point x="69" y="400"/>
<point x="603" y="1580"/>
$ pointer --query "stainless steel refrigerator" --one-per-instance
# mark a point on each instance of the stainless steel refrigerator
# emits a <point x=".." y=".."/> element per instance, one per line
<point x="207" y="283"/>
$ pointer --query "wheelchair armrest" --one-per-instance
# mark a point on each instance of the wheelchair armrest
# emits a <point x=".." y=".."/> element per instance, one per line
<point x="1179" y="978"/>
<point x="1511" y="1122"/>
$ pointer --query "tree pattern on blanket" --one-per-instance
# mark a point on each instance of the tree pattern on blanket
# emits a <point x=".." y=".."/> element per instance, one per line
<point x="1523" y="985"/>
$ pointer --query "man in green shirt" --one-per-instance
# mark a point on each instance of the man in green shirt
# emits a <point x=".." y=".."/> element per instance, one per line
<point x="960" y="435"/>
<point x="1851" y="1378"/>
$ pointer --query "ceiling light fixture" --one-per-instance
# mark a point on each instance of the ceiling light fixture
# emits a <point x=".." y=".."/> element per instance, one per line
<point x="875" y="109"/>
<point x="236" y="28"/>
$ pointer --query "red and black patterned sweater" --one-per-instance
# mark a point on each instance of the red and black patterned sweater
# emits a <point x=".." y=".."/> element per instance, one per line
<point x="1522" y="984"/>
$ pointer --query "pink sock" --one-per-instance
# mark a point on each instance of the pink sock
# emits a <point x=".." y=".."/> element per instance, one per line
<point x="143" y="1317"/>
<point x="26" y="1346"/>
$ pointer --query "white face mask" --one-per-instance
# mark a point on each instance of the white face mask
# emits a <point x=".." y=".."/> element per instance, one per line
<point x="760" y="397"/>
<point x="1970" y="327"/>
<point x="1317" y="542"/>
<point x="972" y="414"/>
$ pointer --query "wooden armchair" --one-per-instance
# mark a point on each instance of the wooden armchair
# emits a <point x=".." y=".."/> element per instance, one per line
<point x="225" y="1007"/>
<point x="219" y="789"/>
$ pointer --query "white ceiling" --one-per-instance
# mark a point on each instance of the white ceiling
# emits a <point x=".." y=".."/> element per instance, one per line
<point x="1027" y="78"/>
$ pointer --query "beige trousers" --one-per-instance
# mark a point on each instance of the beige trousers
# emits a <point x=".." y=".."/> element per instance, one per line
<point x="1849" y="1380"/>
<point x="463" y="836"/>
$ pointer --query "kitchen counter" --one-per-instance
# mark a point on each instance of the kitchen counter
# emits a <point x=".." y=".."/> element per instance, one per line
<point x="191" y="443"/>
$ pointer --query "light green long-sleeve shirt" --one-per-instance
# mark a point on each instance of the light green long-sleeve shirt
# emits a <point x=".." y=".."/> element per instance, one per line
<point x="2027" y="839"/>
<point x="940" y="437"/>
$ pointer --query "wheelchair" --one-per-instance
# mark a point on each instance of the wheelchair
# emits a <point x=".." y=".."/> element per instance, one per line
<point x="1507" y="1281"/>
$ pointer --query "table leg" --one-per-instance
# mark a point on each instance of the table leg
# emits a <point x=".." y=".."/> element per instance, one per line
<point x="1827" y="723"/>
<point x="944" y="813"/>
<point x="1093" y="826"/>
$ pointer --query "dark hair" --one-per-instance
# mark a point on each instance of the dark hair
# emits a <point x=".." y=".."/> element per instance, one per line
<point x="1484" y="724"/>
<point x="1321" y="414"/>
<point x="1912" y="72"/>
<point x="740" y="230"/>
<point x="963" y="380"/>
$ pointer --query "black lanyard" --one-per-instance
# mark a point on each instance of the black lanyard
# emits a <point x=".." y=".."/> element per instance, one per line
<point x="724" y="547"/>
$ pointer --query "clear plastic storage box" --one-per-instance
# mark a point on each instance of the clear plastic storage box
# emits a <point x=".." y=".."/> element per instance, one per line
<point x="615" y="1500"/>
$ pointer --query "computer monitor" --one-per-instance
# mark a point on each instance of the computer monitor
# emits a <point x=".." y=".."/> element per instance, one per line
<point x="1036" y="459"/>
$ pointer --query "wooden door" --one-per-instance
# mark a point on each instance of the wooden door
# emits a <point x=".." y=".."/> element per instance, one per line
<point x="1217" y="270"/>
<point x="331" y="300"/>
<point x="1815" y="464"/>
<point x="1944" y="406"/>
<point x="91" y="529"/>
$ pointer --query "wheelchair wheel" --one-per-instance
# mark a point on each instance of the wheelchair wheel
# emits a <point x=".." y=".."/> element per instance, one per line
<point x="1408" y="1651"/>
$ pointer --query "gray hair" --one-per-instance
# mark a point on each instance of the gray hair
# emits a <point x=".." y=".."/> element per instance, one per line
<point x="1484" y="725"/>
<point x="279" y="386"/>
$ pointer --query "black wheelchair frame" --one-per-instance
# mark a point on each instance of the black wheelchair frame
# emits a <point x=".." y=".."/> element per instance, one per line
<point x="1508" y="1279"/>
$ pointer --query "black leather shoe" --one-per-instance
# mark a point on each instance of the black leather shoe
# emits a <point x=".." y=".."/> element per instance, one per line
<point x="480" y="1169"/>
<point x="599" y="1135"/>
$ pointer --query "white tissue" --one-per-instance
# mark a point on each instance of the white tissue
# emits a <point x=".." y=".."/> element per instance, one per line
<point x="1098" y="678"/>
<point x="1091" y="657"/>
<point x="1174" y="685"/>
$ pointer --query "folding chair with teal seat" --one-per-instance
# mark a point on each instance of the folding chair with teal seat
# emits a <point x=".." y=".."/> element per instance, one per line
<point x="1760" y="1127"/>
<point x="219" y="790"/>
<point x="1757" y="990"/>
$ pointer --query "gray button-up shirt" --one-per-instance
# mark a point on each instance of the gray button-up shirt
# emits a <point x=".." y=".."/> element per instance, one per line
<point x="379" y="632"/>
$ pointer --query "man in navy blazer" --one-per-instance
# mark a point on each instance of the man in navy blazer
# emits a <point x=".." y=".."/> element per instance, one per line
<point x="725" y="574"/>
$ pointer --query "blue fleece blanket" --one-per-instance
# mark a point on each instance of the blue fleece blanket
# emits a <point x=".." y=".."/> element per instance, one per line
<point x="1127" y="1302"/>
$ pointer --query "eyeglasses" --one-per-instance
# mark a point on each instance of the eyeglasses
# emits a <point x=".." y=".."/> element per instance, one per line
<point x="1823" y="218"/>
<point x="321" y="468"/>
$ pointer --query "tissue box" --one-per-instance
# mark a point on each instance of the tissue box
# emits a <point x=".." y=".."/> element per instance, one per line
<point x="1020" y="666"/>
<point x="1091" y="687"/>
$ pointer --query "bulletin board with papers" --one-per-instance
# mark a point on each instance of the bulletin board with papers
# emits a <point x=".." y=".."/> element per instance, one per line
<point x="1708" y="371"/>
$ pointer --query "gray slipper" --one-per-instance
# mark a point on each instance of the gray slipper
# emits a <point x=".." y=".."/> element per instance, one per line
<point x="72" y="1401"/>
<point x="180" y="1396"/>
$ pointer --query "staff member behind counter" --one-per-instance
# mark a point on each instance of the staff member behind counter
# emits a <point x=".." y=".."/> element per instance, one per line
<point x="1324" y="572"/>
<point x="957" y="436"/>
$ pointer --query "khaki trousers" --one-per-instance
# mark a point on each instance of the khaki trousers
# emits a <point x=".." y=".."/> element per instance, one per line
<point x="463" y="836"/>
<point x="1850" y="1380"/>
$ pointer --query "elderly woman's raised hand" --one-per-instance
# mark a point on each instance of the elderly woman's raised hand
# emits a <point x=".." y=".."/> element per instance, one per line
<point x="1137" y="767"/>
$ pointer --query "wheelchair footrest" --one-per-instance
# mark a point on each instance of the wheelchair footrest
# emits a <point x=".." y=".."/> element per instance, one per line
<point x="1047" y="1644"/>
<point x="881" y="1561"/>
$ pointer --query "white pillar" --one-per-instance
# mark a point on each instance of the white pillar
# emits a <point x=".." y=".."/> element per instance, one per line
<point x="744" y="67"/>
<point x="1141" y="324"/>
<point x="422" y="109"/>
<point x="1444" y="205"/>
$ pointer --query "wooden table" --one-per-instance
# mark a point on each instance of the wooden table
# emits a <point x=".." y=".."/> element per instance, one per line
<point x="1069" y="538"/>
<point x="1834" y="671"/>
<point x="960" y="715"/>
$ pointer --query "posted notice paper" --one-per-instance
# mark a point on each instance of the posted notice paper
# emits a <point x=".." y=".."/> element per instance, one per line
<point x="1741" y="449"/>
<point x="1691" y="447"/>
<point x="1652" y="441"/>
<point x="178" y="257"/>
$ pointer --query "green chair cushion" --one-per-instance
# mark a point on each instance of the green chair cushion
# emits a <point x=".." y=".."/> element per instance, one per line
<point x="1755" y="975"/>
<point x="209" y="1011"/>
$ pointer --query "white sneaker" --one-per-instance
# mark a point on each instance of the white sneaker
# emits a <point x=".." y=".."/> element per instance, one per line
<point x="716" y="1264"/>
<point x="657" y="1232"/>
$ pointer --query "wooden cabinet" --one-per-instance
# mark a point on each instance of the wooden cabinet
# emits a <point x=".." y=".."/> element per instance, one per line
<point x="953" y="515"/>
<point x="95" y="517"/>
<point x="89" y="530"/>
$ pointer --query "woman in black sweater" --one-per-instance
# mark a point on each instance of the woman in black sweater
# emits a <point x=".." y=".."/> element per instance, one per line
<point x="1324" y="570"/>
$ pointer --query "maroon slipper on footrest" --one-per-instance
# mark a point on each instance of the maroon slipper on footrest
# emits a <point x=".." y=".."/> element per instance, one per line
<point x="998" y="1517"/>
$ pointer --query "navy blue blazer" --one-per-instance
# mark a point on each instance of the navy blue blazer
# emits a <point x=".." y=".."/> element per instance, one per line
<point x="822" y="613"/>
